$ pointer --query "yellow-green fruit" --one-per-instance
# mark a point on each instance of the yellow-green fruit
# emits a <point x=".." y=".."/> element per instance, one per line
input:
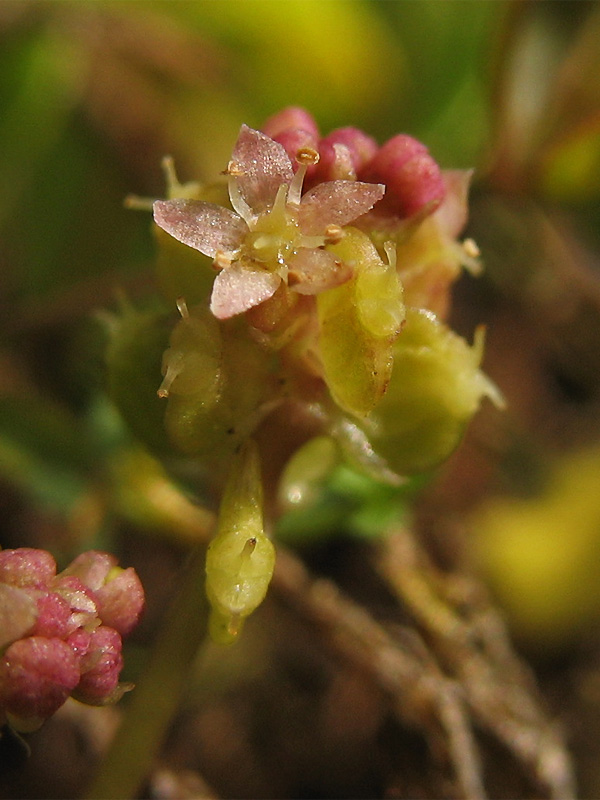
<point x="212" y="422"/>
<point x="241" y="558"/>
<point x="358" y="322"/>
<point x="435" y="388"/>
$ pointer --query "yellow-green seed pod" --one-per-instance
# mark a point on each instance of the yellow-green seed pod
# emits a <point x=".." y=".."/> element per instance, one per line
<point x="241" y="558"/>
<point x="211" y="423"/>
<point x="435" y="389"/>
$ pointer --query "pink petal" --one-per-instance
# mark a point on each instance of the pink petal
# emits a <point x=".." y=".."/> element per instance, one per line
<point x="337" y="203"/>
<point x="312" y="271"/>
<point x="237" y="288"/>
<point x="204" y="226"/>
<point x="264" y="166"/>
<point x="453" y="212"/>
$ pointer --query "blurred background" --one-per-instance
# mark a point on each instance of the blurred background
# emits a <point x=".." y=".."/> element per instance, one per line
<point x="94" y="94"/>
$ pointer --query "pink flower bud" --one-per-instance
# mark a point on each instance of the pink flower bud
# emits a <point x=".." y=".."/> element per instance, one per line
<point x="121" y="600"/>
<point x="289" y="119"/>
<point x="91" y="568"/>
<point x="359" y="147"/>
<point x="79" y="642"/>
<point x="413" y="180"/>
<point x="27" y="566"/>
<point x="100" y="667"/>
<point x="36" y="677"/>
<point x="54" y="616"/>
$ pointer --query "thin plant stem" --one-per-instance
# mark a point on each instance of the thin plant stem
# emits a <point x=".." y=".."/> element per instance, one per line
<point x="158" y="693"/>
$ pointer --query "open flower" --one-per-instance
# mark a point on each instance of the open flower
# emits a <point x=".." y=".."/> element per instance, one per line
<point x="275" y="234"/>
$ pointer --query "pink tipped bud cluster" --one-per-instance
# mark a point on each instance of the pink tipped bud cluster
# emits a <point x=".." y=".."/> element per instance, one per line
<point x="60" y="634"/>
<point x="413" y="180"/>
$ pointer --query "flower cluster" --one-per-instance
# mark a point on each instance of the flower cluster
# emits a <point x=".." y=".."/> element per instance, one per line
<point x="323" y="315"/>
<point x="60" y="634"/>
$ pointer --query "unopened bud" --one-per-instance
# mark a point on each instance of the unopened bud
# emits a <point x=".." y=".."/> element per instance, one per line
<point x="100" y="667"/>
<point x="413" y="180"/>
<point x="27" y="566"/>
<point x="36" y="677"/>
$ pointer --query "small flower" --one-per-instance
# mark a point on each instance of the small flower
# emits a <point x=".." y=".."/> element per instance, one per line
<point x="275" y="234"/>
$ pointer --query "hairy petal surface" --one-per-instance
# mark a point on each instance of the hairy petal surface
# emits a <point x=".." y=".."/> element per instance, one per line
<point x="337" y="203"/>
<point x="204" y="226"/>
<point x="261" y="166"/>
<point x="238" y="288"/>
<point x="312" y="271"/>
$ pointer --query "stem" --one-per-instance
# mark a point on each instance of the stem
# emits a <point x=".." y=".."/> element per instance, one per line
<point x="159" y="691"/>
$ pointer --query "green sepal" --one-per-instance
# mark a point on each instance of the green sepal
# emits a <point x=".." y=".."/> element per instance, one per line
<point x="359" y="321"/>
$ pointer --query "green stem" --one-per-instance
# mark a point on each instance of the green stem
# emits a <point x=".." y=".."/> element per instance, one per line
<point x="158" y="693"/>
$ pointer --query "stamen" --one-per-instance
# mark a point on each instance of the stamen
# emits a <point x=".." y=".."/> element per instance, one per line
<point x="138" y="203"/>
<point x="471" y="248"/>
<point x="182" y="307"/>
<point x="249" y="548"/>
<point x="305" y="157"/>
<point x="390" y="251"/>
<point x="308" y="156"/>
<point x="281" y="200"/>
<point x="333" y="234"/>
<point x="174" y="367"/>
<point x="234" y="170"/>
<point x="168" y="166"/>
<point x="240" y="206"/>
<point x="222" y="260"/>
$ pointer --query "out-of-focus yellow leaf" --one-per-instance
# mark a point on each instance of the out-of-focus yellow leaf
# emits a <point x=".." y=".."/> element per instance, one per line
<point x="571" y="168"/>
<point x="542" y="554"/>
<point x="334" y="58"/>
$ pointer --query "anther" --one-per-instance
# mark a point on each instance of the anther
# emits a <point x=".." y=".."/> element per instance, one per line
<point x="307" y="156"/>
<point x="390" y="251"/>
<point x="249" y="547"/>
<point x="333" y="234"/>
<point x="471" y="249"/>
<point x="182" y="308"/>
<point x="221" y="260"/>
<point x="234" y="170"/>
